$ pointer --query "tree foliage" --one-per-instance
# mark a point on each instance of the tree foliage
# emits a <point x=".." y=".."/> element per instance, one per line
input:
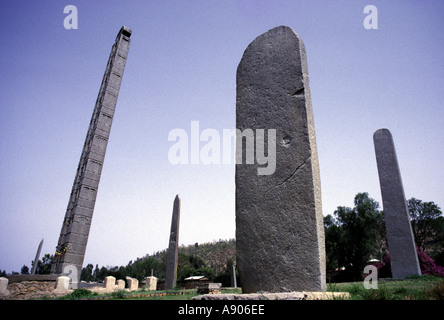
<point x="212" y="260"/>
<point x="354" y="235"/>
<point x="43" y="266"/>
<point x="427" y="265"/>
<point x="428" y="227"/>
<point x="24" y="270"/>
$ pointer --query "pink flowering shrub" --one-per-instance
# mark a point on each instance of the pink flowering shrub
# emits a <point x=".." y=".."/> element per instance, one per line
<point x="426" y="263"/>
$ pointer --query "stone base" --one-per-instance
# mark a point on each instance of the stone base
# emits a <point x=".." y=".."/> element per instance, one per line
<point x="32" y="290"/>
<point x="277" y="296"/>
<point x="209" y="288"/>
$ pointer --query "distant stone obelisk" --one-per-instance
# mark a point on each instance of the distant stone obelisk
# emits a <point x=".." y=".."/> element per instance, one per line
<point x="75" y="229"/>
<point x="37" y="256"/>
<point x="401" y="244"/>
<point x="280" y="242"/>
<point x="233" y="277"/>
<point x="173" y="248"/>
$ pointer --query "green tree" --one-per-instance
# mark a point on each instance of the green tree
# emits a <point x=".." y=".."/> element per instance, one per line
<point x="427" y="222"/>
<point x="87" y="273"/>
<point x="24" y="270"/>
<point x="149" y="264"/>
<point x="354" y="235"/>
<point x="44" y="266"/>
<point x="428" y="227"/>
<point x="102" y="274"/>
<point x="333" y="236"/>
<point x="224" y="277"/>
<point x="192" y="265"/>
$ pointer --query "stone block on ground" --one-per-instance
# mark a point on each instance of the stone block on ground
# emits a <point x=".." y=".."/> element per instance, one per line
<point x="133" y="284"/>
<point x="110" y="283"/>
<point x="4" y="287"/>
<point x="151" y="283"/>
<point x="62" y="285"/>
<point x="210" y="288"/>
<point x="120" y="284"/>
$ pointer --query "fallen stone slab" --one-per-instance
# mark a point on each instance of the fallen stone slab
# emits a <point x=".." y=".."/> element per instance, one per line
<point x="253" y="296"/>
<point x="213" y="288"/>
<point x="276" y="296"/>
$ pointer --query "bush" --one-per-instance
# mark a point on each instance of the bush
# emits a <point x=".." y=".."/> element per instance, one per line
<point x="426" y="264"/>
<point x="118" y="294"/>
<point x="80" y="293"/>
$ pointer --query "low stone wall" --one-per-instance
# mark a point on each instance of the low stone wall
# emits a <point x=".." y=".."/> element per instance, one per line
<point x="20" y="287"/>
<point x="32" y="277"/>
<point x="30" y="290"/>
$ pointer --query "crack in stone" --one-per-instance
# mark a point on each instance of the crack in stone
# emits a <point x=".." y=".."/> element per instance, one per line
<point x="295" y="171"/>
<point x="290" y="176"/>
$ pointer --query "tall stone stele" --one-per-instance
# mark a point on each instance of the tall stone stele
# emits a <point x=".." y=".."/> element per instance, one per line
<point x="75" y="228"/>
<point x="401" y="244"/>
<point x="280" y="242"/>
<point x="173" y="248"/>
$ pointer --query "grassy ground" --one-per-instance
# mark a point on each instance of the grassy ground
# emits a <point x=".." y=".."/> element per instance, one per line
<point x="415" y="288"/>
<point x="81" y="294"/>
<point x="187" y="296"/>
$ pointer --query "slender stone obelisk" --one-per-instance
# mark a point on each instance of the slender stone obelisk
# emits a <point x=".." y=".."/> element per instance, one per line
<point x="75" y="229"/>
<point x="233" y="277"/>
<point x="401" y="244"/>
<point x="173" y="248"/>
<point x="280" y="242"/>
<point x="37" y="256"/>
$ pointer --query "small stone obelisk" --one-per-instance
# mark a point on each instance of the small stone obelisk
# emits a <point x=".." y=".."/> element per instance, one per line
<point x="75" y="228"/>
<point x="37" y="256"/>
<point x="173" y="248"/>
<point x="280" y="242"/>
<point x="233" y="277"/>
<point x="401" y="244"/>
